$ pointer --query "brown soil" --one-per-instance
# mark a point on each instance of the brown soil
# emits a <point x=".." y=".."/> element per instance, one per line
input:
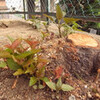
<point x="16" y="29"/>
<point x="85" y="87"/>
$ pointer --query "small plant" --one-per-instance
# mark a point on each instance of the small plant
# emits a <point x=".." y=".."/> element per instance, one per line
<point x="59" y="85"/>
<point x="67" y="21"/>
<point x="44" y="35"/>
<point x="70" y="26"/>
<point x="35" y="22"/>
<point x="27" y="60"/>
<point x="24" y="60"/>
<point x="46" y="26"/>
<point x="59" y="16"/>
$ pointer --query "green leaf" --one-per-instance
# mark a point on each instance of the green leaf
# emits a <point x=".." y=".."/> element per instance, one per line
<point x="68" y="30"/>
<point x="66" y="87"/>
<point x="70" y="20"/>
<point x="18" y="72"/>
<point x="13" y="65"/>
<point x="59" y="13"/>
<point x="49" y="84"/>
<point x="44" y="34"/>
<point x="44" y="23"/>
<point x="5" y="54"/>
<point x="28" y="62"/>
<point x="35" y="87"/>
<point x="59" y="84"/>
<point x="3" y="64"/>
<point x="64" y="13"/>
<point x="32" y="81"/>
<point x="76" y="26"/>
<point x="45" y="79"/>
<point x="30" y="70"/>
<point x="9" y="50"/>
<point x="41" y="86"/>
<point x="33" y="17"/>
<point x="27" y="53"/>
<point x="49" y="17"/>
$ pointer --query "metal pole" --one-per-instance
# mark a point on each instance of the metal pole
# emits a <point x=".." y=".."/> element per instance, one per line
<point x="24" y="9"/>
<point x="47" y="3"/>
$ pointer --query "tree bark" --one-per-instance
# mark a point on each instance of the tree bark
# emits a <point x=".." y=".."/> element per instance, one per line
<point x="83" y="62"/>
<point x="79" y="55"/>
<point x="81" y="59"/>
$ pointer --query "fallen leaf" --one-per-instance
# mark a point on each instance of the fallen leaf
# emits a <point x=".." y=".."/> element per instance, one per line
<point x="58" y="72"/>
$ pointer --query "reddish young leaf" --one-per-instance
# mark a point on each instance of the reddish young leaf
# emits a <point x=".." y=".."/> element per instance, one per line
<point x="33" y="44"/>
<point x="16" y="43"/>
<point x="29" y="42"/>
<point x="19" y="49"/>
<point x="25" y="49"/>
<point x="8" y="46"/>
<point x="58" y="72"/>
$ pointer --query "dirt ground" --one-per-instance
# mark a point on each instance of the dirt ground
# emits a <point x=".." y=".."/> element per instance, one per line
<point x="16" y="29"/>
<point x="84" y="89"/>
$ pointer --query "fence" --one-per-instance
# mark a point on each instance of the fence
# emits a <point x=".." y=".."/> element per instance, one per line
<point x="85" y="9"/>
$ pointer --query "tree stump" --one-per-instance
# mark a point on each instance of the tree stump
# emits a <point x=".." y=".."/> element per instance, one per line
<point x="82" y="56"/>
<point x="78" y="54"/>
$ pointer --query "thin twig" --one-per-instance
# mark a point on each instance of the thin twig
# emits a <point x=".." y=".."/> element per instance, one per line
<point x="98" y="74"/>
<point x="15" y="82"/>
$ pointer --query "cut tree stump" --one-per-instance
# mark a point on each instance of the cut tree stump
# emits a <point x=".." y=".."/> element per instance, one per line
<point x="78" y="54"/>
<point x="83" y="40"/>
<point x="82" y="56"/>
